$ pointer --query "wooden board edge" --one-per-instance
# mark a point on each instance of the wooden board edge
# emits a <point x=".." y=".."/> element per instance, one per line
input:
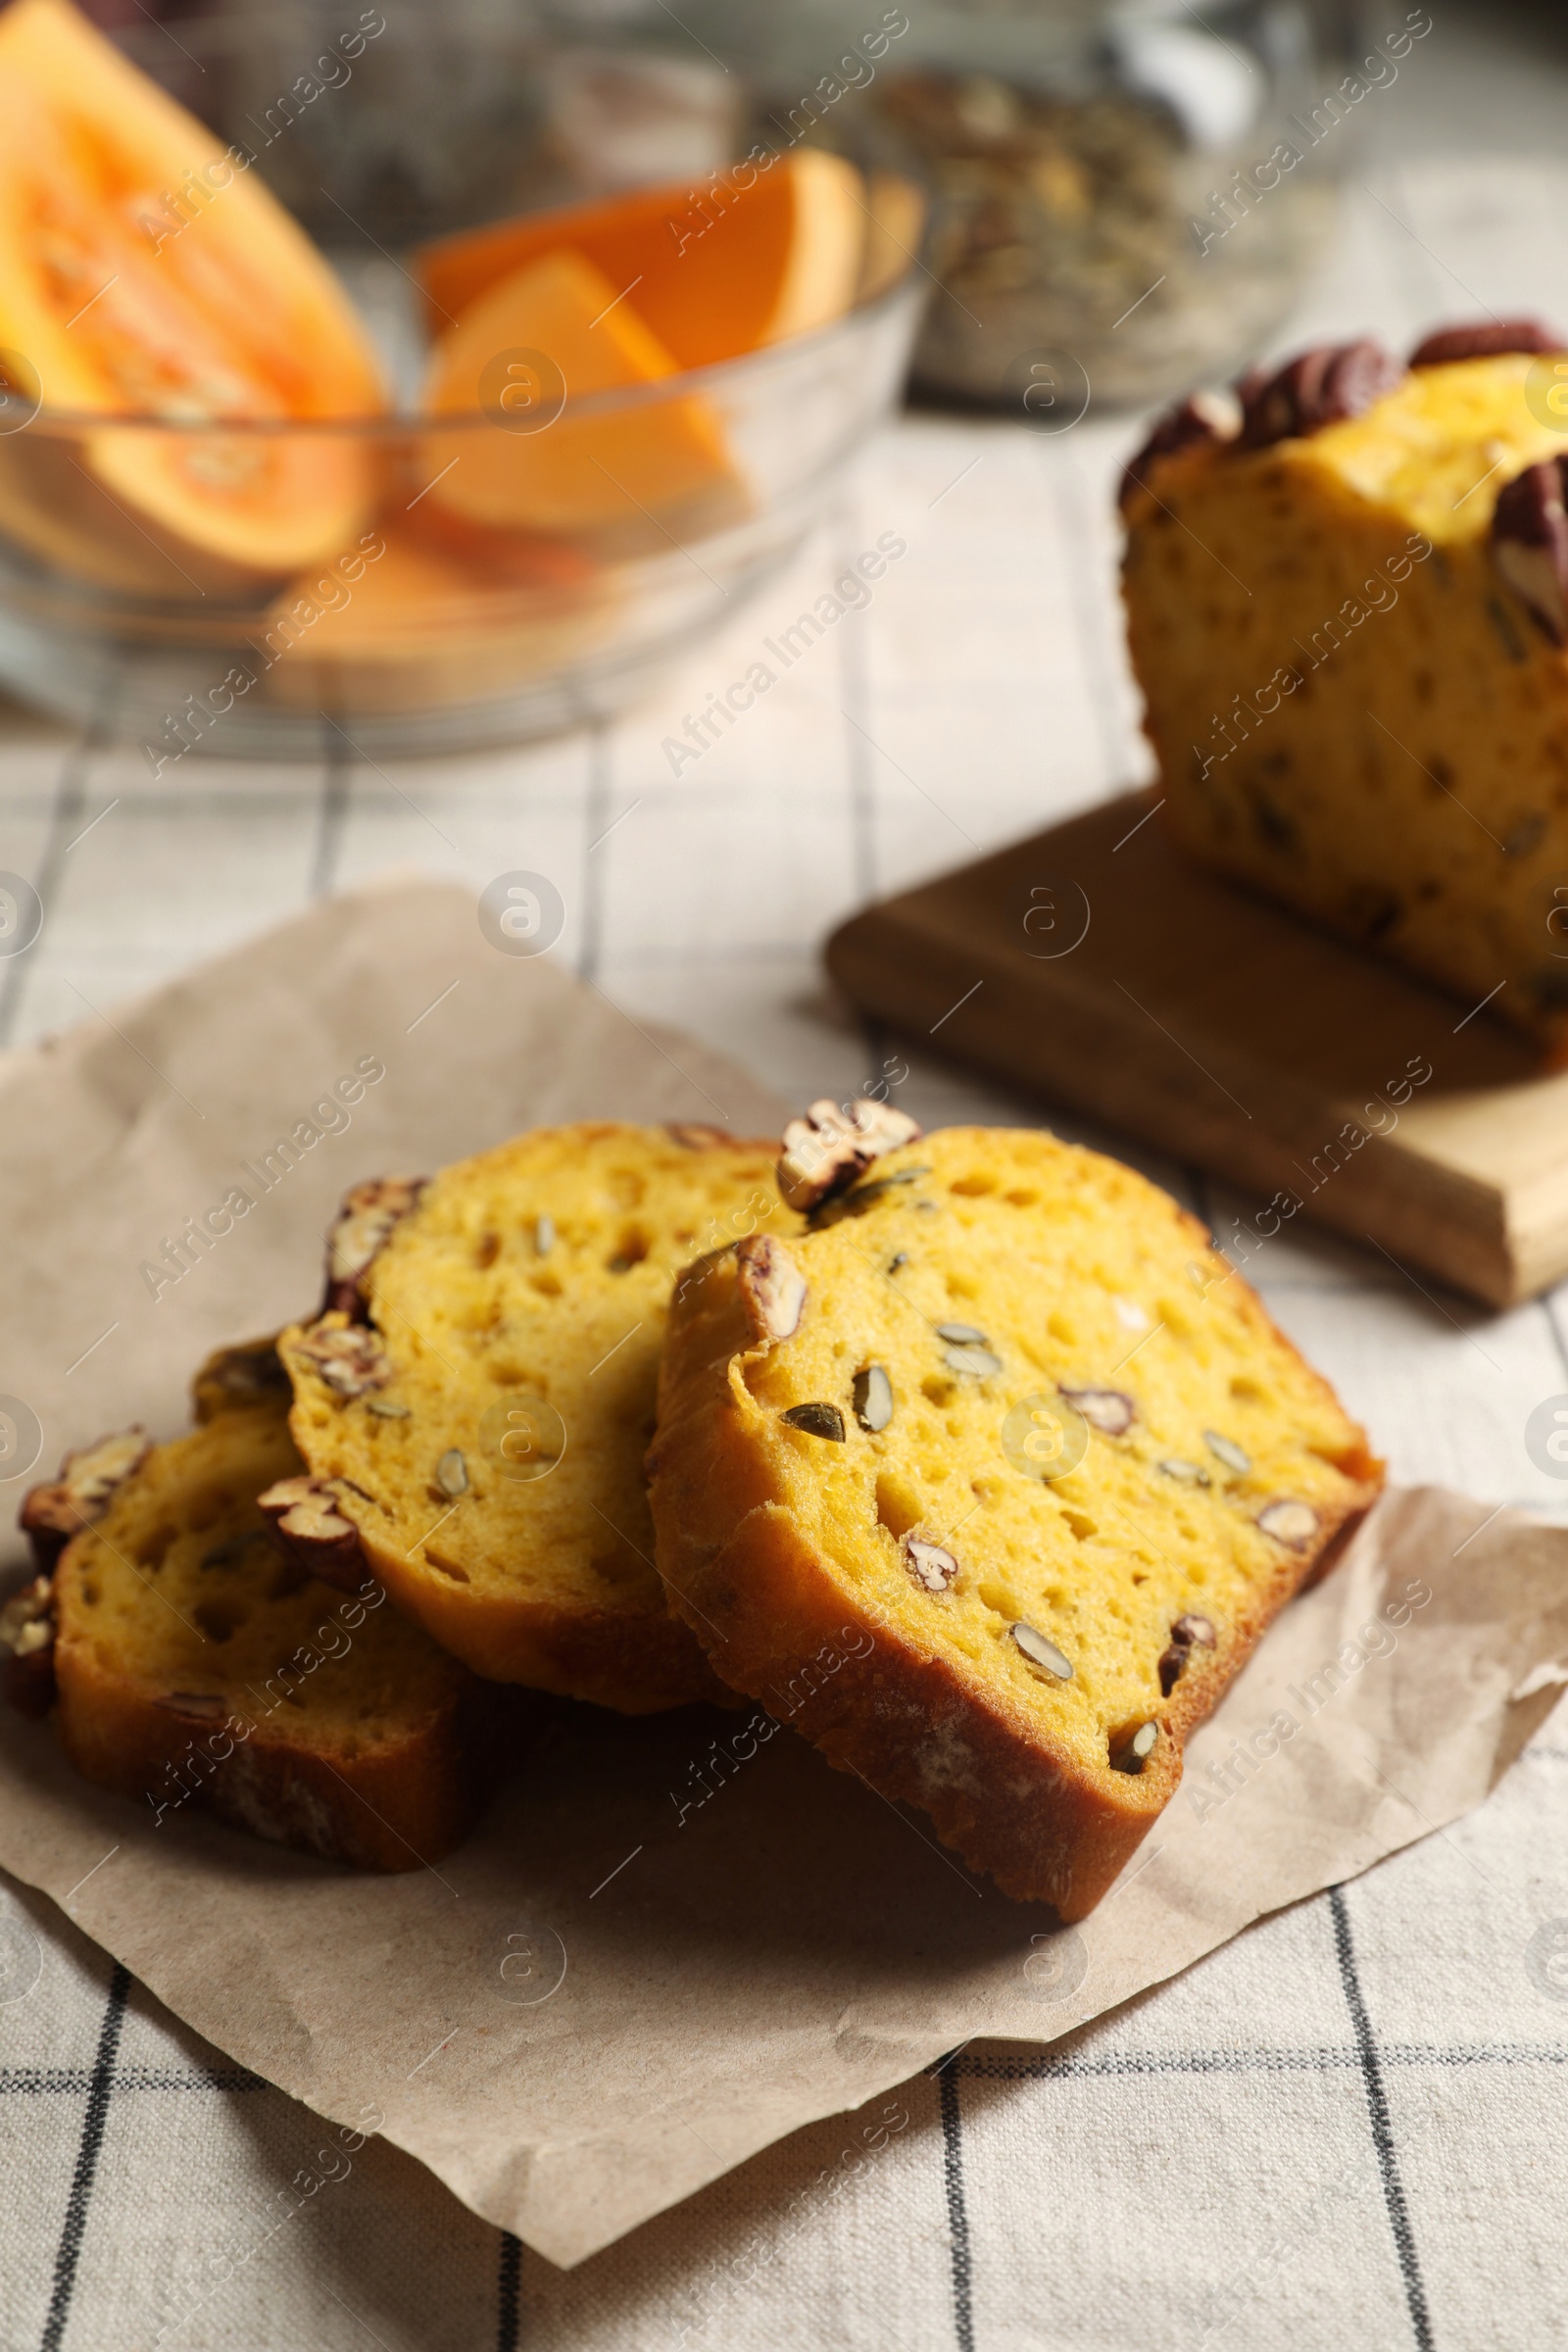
<point x="1453" y="1226"/>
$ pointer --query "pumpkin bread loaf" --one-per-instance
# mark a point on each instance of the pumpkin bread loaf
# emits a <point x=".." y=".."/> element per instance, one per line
<point x="197" y="1662"/>
<point x="1347" y="607"/>
<point x="990" y="1481"/>
<point x="475" y="1403"/>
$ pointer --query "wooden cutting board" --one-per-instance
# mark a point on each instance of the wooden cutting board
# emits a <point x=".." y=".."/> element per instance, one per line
<point x="1096" y="963"/>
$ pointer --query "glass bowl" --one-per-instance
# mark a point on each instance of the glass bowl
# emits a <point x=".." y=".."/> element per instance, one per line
<point x="395" y="596"/>
<point x="395" y="618"/>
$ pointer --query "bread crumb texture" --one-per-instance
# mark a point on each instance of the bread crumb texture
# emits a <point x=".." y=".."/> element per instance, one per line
<point x="197" y="1661"/>
<point x="1351" y="707"/>
<point x="1034" y="1470"/>
<point x="491" y="1460"/>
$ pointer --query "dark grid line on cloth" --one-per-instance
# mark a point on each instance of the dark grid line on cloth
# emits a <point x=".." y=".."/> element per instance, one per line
<point x="958" y="2209"/>
<point x="68" y="2253"/>
<point x="1314" y="2059"/>
<point x="508" y="2294"/>
<point x="1382" y="2125"/>
<point x="39" y="2080"/>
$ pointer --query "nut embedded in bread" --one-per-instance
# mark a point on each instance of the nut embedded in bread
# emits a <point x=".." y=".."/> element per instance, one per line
<point x="1032" y="1468"/>
<point x="481" y="1425"/>
<point x="197" y="1663"/>
<point x="52" y="1515"/>
<point x="1350" y="622"/>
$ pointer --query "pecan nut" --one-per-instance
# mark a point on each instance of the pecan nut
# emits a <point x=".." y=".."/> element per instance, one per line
<point x="826" y="1150"/>
<point x="307" y="1516"/>
<point x="1487" y="339"/>
<point x="52" y="1515"/>
<point x="1319" y="387"/>
<point x="28" y="1642"/>
<point x="359" y="1232"/>
<point x="692" y="1135"/>
<point x="1205" y="416"/>
<point x="771" y="1285"/>
<point x="1530" y="544"/>
<point x="348" y="1357"/>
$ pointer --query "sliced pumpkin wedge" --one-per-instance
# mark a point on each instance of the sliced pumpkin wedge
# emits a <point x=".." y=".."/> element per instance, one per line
<point x="144" y="271"/>
<point x="421" y="629"/>
<point x="554" y="332"/>
<point x="714" y="272"/>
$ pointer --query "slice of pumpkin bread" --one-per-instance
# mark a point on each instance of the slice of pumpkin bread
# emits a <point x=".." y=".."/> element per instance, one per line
<point x="1347" y="610"/>
<point x="990" y="1481"/>
<point x="478" y="1408"/>
<point x="196" y="1661"/>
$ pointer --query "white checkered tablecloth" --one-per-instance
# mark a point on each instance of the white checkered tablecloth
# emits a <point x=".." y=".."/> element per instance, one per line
<point x="1348" y="2126"/>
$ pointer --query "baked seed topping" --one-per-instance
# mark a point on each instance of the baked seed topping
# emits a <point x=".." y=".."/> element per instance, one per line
<point x="1135" y="1752"/>
<point x="1190" y="1630"/>
<point x="900" y="1258"/>
<point x="873" y="1397"/>
<point x="1110" y="1410"/>
<point x="26" y="1620"/>
<point x="771" y="1285"/>
<point x="51" y="1515"/>
<point x="306" y="1514"/>
<point x="451" y="1473"/>
<point x="1321" y="386"/>
<point x="544" y="1236"/>
<point x="1041" y="1652"/>
<point x="1184" y="1634"/>
<point x="385" y="1411"/>
<point x="978" y="1364"/>
<point x="965" y="1334"/>
<point x="1289" y="1521"/>
<point x="826" y="1150"/>
<point x="1226" y="1450"/>
<point x="816" y="1420"/>
<point x="1189" y="1473"/>
<point x="359" y="1232"/>
<point x="1530" y="543"/>
<point x="208" y="1704"/>
<point x="932" y="1566"/>
<point x="348" y="1358"/>
<point x="1487" y="339"/>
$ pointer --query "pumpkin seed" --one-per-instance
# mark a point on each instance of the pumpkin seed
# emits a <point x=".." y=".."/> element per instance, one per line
<point x="1190" y="1474"/>
<point x="873" y="1397"/>
<point x="384" y="1411"/>
<point x="978" y="1362"/>
<point x="816" y="1420"/>
<point x="544" y="1236"/>
<point x="1041" y="1652"/>
<point x="1226" y="1450"/>
<point x="1135" y="1752"/>
<point x="451" y="1473"/>
<point x="965" y="1334"/>
<point x="1289" y="1521"/>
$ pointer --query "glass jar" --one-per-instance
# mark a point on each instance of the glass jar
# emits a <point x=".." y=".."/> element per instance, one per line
<point x="1126" y="196"/>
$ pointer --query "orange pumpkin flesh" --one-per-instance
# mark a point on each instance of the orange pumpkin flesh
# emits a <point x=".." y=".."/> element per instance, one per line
<point x="213" y="307"/>
<point x="710" y="273"/>
<point x="421" y="630"/>
<point x="651" y="472"/>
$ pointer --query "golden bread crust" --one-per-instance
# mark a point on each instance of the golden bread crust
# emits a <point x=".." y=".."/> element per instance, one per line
<point x="787" y="1552"/>
<point x="195" y="1664"/>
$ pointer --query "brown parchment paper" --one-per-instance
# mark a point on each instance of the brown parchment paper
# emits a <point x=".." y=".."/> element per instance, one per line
<point x="672" y="1941"/>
